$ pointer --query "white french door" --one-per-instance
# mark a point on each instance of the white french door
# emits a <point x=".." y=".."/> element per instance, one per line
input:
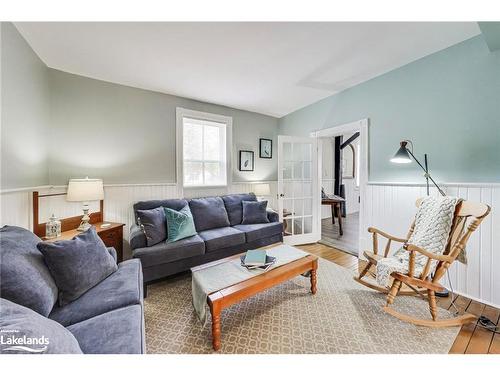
<point x="298" y="189"/>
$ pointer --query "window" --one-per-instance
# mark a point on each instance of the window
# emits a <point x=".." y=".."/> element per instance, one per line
<point x="204" y="145"/>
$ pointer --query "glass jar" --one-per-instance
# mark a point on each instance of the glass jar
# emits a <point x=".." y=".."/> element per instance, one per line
<point x="53" y="228"/>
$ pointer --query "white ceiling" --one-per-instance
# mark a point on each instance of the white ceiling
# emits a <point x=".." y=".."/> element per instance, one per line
<point x="270" y="68"/>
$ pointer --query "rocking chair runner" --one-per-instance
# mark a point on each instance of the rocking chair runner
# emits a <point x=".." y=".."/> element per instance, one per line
<point x="425" y="282"/>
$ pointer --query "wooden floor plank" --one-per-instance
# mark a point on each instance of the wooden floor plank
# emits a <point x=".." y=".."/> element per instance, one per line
<point x="471" y="339"/>
<point x="482" y="337"/>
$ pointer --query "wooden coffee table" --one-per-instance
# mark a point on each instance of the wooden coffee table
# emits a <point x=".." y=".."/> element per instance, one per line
<point x="221" y="299"/>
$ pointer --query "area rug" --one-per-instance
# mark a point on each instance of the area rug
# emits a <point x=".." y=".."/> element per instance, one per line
<point x="343" y="317"/>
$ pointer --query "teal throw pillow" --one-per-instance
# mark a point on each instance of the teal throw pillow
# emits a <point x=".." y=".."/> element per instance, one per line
<point x="180" y="224"/>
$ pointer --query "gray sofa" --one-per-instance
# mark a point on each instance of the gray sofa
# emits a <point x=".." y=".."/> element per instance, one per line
<point x="212" y="240"/>
<point x="108" y="318"/>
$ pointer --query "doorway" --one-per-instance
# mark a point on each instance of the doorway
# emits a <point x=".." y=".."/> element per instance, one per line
<point x="343" y="174"/>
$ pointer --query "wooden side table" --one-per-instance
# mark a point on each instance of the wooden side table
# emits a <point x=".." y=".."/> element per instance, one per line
<point x="335" y="203"/>
<point x="111" y="235"/>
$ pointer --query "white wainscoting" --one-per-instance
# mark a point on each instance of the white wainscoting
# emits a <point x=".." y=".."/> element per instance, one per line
<point x="391" y="207"/>
<point x="16" y="206"/>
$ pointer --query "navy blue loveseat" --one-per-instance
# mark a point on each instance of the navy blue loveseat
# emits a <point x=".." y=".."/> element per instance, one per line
<point x="107" y="319"/>
<point x="212" y="240"/>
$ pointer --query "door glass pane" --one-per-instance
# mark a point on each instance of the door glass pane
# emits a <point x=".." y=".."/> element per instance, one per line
<point x="298" y="206"/>
<point x="287" y="225"/>
<point x="297" y="170"/>
<point x="287" y="151"/>
<point x="288" y="190"/>
<point x="298" y="151"/>
<point x="307" y="170"/>
<point x="307" y="152"/>
<point x="308" y="206"/>
<point x="297" y="226"/>
<point x="287" y="170"/>
<point x="287" y="207"/>
<point x="297" y="189"/>
<point x="307" y="189"/>
<point x="307" y="225"/>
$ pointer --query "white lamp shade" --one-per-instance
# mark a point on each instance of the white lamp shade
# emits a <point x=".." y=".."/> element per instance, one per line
<point x="85" y="190"/>
<point x="262" y="190"/>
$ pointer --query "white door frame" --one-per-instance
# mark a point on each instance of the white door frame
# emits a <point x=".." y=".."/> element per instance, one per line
<point x="362" y="127"/>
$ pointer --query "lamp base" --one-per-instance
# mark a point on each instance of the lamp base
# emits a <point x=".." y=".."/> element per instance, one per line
<point x="84" y="224"/>
<point x="443" y="293"/>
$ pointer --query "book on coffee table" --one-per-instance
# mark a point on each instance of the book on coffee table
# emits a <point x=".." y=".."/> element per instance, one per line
<point x="255" y="258"/>
<point x="269" y="262"/>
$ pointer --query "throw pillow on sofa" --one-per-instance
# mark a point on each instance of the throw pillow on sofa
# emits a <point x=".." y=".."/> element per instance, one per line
<point x="180" y="224"/>
<point x="26" y="280"/>
<point x="152" y="223"/>
<point x="254" y="212"/>
<point x="24" y="332"/>
<point x="209" y="213"/>
<point x="78" y="264"/>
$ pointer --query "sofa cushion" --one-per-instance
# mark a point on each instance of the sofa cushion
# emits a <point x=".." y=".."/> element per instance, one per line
<point x="180" y="224"/>
<point x="209" y="213"/>
<point x="122" y="288"/>
<point x="18" y="322"/>
<point x="25" y="278"/>
<point x="153" y="225"/>
<point x="77" y="264"/>
<point x="234" y="206"/>
<point x="254" y="212"/>
<point x="119" y="331"/>
<point x="254" y="232"/>
<point x="220" y="238"/>
<point x="174" y="204"/>
<point x="170" y="252"/>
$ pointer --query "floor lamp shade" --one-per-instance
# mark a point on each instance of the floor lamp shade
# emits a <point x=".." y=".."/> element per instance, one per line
<point x="85" y="190"/>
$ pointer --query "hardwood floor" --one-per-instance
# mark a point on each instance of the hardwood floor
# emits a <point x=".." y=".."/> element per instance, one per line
<point x="349" y="241"/>
<point x="472" y="338"/>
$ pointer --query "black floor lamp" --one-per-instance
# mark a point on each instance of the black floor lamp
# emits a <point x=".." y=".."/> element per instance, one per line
<point x="402" y="156"/>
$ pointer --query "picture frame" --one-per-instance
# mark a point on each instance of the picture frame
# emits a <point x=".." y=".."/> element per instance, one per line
<point x="265" y="148"/>
<point x="246" y="162"/>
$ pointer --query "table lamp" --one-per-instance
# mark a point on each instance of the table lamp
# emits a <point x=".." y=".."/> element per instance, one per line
<point x="85" y="190"/>
<point x="402" y="156"/>
<point x="262" y="190"/>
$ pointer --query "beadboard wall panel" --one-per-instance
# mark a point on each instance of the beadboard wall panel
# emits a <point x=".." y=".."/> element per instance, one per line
<point x="388" y="207"/>
<point x="392" y="208"/>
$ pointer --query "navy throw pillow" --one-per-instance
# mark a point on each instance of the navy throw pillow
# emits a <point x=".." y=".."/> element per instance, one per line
<point x="78" y="264"/>
<point x="254" y="212"/>
<point x="152" y="223"/>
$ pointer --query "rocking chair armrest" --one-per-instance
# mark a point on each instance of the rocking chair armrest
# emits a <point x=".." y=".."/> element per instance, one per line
<point x="442" y="258"/>
<point x="388" y="236"/>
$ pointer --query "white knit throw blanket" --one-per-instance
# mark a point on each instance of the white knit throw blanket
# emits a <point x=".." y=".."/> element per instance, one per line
<point x="433" y="223"/>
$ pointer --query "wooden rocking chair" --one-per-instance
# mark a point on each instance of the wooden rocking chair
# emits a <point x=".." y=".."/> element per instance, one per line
<point x="425" y="283"/>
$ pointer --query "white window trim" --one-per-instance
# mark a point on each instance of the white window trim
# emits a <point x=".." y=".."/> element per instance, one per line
<point x="227" y="120"/>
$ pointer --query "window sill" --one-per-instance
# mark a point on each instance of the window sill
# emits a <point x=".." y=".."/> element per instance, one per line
<point x="192" y="187"/>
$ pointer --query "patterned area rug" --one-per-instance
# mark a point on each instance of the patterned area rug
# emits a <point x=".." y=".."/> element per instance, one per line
<point x="343" y="317"/>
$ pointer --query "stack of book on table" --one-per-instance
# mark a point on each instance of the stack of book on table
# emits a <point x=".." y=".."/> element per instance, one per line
<point x="257" y="259"/>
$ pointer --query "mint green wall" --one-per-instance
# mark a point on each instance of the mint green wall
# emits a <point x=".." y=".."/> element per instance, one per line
<point x="25" y="113"/>
<point x="448" y="103"/>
